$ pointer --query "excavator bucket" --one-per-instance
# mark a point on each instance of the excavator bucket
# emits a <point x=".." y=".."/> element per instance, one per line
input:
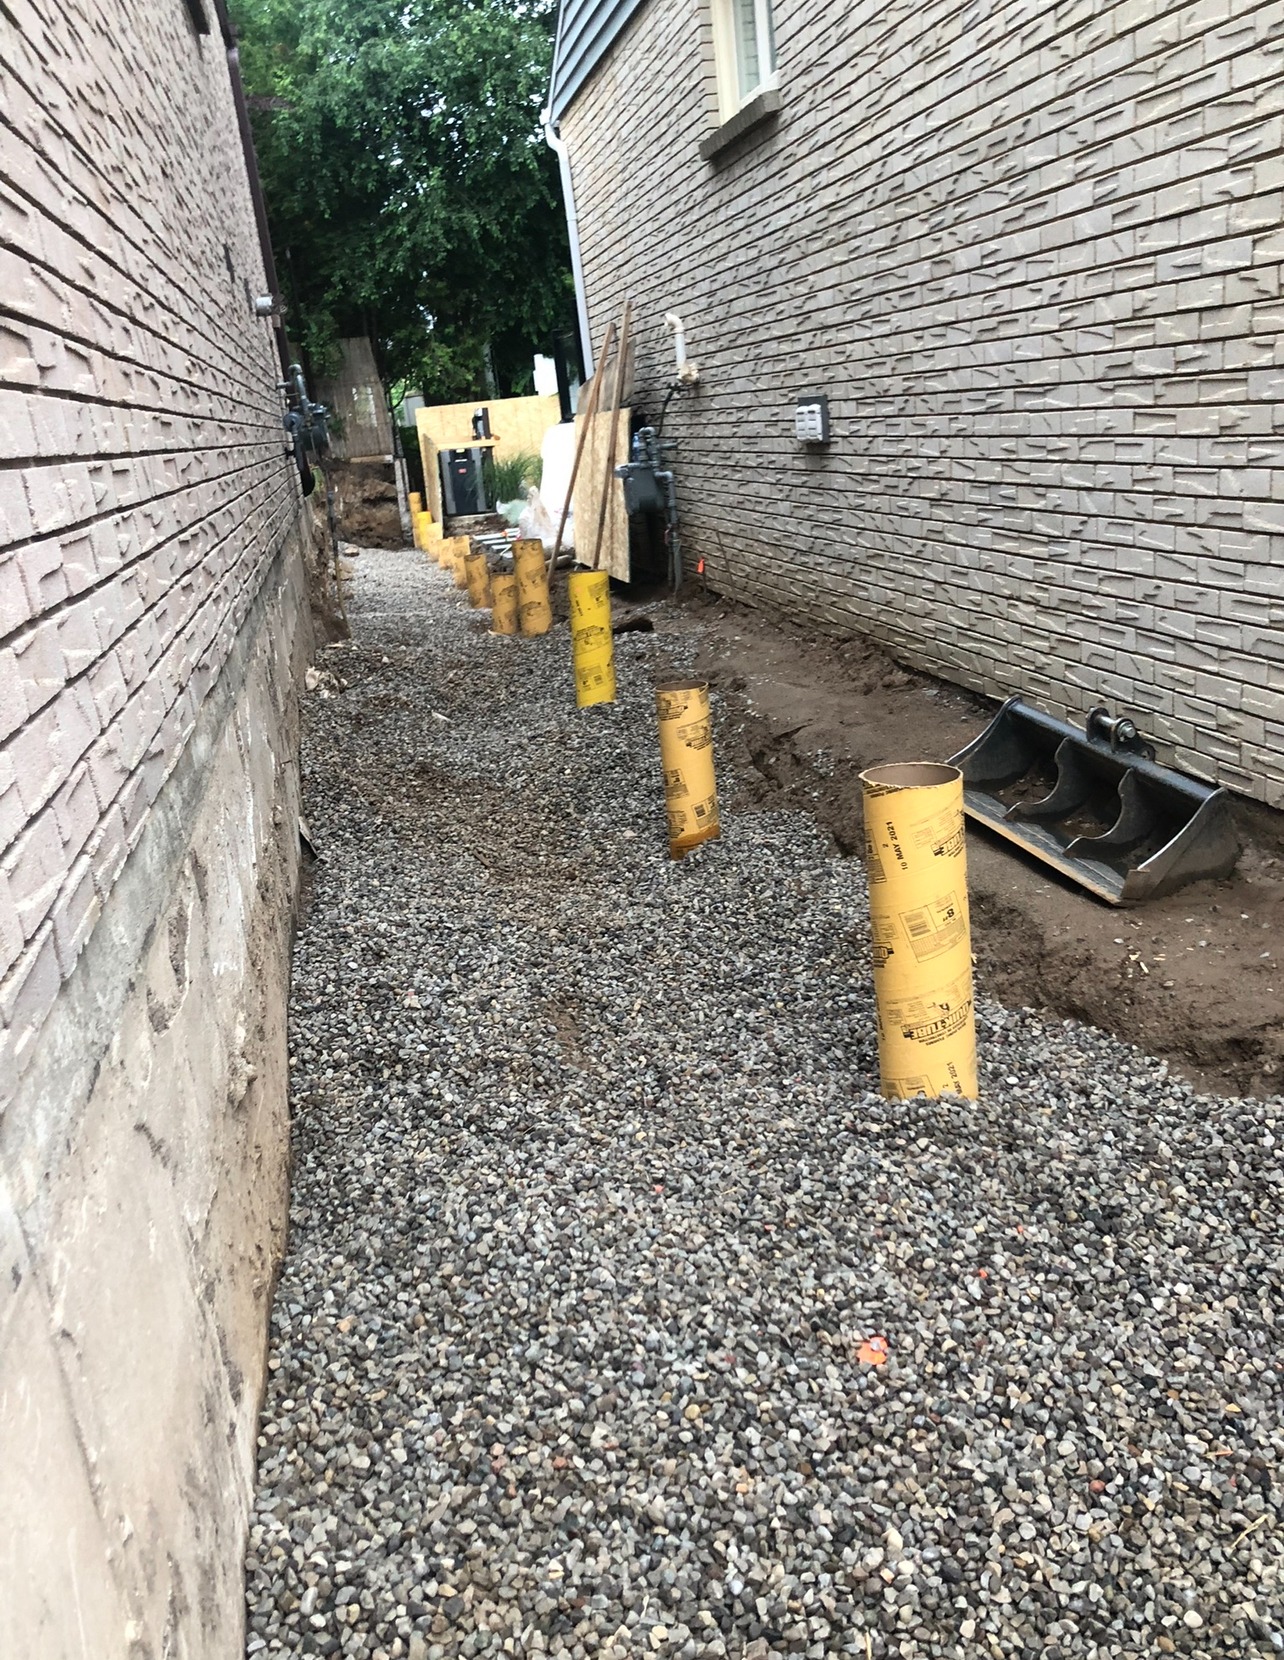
<point x="1095" y="804"/>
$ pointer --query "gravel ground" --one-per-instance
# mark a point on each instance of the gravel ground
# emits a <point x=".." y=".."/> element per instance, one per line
<point x="594" y="1205"/>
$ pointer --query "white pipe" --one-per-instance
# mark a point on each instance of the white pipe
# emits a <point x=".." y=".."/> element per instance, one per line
<point x="555" y="144"/>
<point x="688" y="373"/>
<point x="674" y="322"/>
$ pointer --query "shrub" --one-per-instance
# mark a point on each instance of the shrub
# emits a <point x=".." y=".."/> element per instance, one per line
<point x="509" y="475"/>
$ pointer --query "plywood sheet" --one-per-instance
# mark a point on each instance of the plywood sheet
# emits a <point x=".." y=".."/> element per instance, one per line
<point x="518" y="426"/>
<point x="586" y="502"/>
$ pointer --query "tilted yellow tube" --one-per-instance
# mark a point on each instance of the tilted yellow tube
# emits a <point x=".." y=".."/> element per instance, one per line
<point x="686" y="755"/>
<point x="457" y="560"/>
<point x="427" y="532"/>
<point x="916" y="862"/>
<point x="503" y="602"/>
<point x="477" y="576"/>
<point x="592" y="648"/>
<point x="533" y="610"/>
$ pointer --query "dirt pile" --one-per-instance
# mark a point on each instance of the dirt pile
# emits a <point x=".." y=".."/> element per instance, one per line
<point x="365" y="503"/>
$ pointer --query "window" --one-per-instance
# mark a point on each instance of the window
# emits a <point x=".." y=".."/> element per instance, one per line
<point x="745" y="51"/>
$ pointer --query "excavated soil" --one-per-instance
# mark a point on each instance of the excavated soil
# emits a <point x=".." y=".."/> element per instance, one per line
<point x="1195" y="978"/>
<point x="365" y="503"/>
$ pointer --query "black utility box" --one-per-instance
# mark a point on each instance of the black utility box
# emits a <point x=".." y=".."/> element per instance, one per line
<point x="463" y="484"/>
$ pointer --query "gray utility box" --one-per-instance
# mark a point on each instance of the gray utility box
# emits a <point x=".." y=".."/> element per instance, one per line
<point x="642" y="492"/>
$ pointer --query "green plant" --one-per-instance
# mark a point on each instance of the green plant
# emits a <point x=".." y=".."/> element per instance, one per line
<point x="508" y="476"/>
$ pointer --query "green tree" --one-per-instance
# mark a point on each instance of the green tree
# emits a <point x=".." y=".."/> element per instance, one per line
<point x="410" y="194"/>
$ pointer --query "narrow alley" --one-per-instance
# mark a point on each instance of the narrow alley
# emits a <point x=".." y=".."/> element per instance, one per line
<point x="597" y="1223"/>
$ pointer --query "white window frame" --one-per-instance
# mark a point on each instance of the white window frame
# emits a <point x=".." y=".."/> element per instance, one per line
<point x="726" y="56"/>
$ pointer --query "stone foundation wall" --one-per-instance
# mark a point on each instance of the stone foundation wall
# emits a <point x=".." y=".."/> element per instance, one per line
<point x="143" y="1202"/>
<point x="153" y="621"/>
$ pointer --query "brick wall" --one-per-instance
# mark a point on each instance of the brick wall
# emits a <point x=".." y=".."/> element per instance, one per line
<point x="143" y="486"/>
<point x="1031" y="252"/>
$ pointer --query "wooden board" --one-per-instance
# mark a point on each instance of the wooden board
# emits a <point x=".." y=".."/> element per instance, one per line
<point x="518" y="426"/>
<point x="587" y="500"/>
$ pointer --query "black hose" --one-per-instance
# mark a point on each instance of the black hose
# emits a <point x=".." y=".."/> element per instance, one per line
<point x="675" y="386"/>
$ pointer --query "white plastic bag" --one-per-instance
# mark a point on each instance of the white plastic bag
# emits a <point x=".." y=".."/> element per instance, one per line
<point x="557" y="454"/>
<point x="536" y="522"/>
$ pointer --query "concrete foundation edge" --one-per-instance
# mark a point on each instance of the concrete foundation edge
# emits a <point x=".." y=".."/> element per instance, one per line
<point x="143" y="1200"/>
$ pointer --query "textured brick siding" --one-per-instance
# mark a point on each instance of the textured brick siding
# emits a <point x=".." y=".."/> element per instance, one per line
<point x="143" y="487"/>
<point x="1032" y="254"/>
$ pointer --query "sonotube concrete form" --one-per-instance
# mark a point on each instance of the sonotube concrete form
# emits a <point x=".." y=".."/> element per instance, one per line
<point x="686" y="755"/>
<point x="533" y="610"/>
<point x="477" y="577"/>
<point x="503" y="602"/>
<point x="592" y="648"/>
<point x="916" y="862"/>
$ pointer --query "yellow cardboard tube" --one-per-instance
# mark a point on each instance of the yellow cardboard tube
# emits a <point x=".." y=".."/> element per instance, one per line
<point x="477" y="576"/>
<point x="503" y="602"/>
<point x="448" y="548"/>
<point x="457" y="560"/>
<point x="533" y="610"/>
<point x="686" y="755"/>
<point x="423" y="530"/>
<point x="416" y="500"/>
<point x="415" y="530"/>
<point x="592" y="648"/>
<point x="916" y="862"/>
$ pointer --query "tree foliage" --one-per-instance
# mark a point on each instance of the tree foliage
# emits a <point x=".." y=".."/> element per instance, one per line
<point x="410" y="194"/>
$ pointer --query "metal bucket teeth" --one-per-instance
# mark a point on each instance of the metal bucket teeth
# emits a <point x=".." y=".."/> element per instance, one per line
<point x="1105" y="814"/>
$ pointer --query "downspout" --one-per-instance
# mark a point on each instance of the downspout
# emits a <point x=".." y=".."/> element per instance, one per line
<point x="553" y="139"/>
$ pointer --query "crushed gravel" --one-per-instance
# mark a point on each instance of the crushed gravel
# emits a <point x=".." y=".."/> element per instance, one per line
<point x="594" y="1207"/>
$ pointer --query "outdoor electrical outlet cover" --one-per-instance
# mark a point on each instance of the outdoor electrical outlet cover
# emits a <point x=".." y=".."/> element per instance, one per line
<point x="811" y="419"/>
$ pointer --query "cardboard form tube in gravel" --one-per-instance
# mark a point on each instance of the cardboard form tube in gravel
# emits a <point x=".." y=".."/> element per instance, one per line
<point x="533" y="610"/>
<point x="592" y="646"/>
<point x="477" y="576"/>
<point x="916" y="862"/>
<point x="686" y="755"/>
<point x="503" y="602"/>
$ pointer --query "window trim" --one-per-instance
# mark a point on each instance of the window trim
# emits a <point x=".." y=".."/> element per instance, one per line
<point x="726" y="60"/>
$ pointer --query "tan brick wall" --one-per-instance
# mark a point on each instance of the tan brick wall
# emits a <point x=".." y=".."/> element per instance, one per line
<point x="1032" y="254"/>
<point x="143" y="485"/>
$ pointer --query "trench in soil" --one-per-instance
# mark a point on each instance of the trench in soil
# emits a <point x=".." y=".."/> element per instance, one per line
<point x="1194" y="978"/>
